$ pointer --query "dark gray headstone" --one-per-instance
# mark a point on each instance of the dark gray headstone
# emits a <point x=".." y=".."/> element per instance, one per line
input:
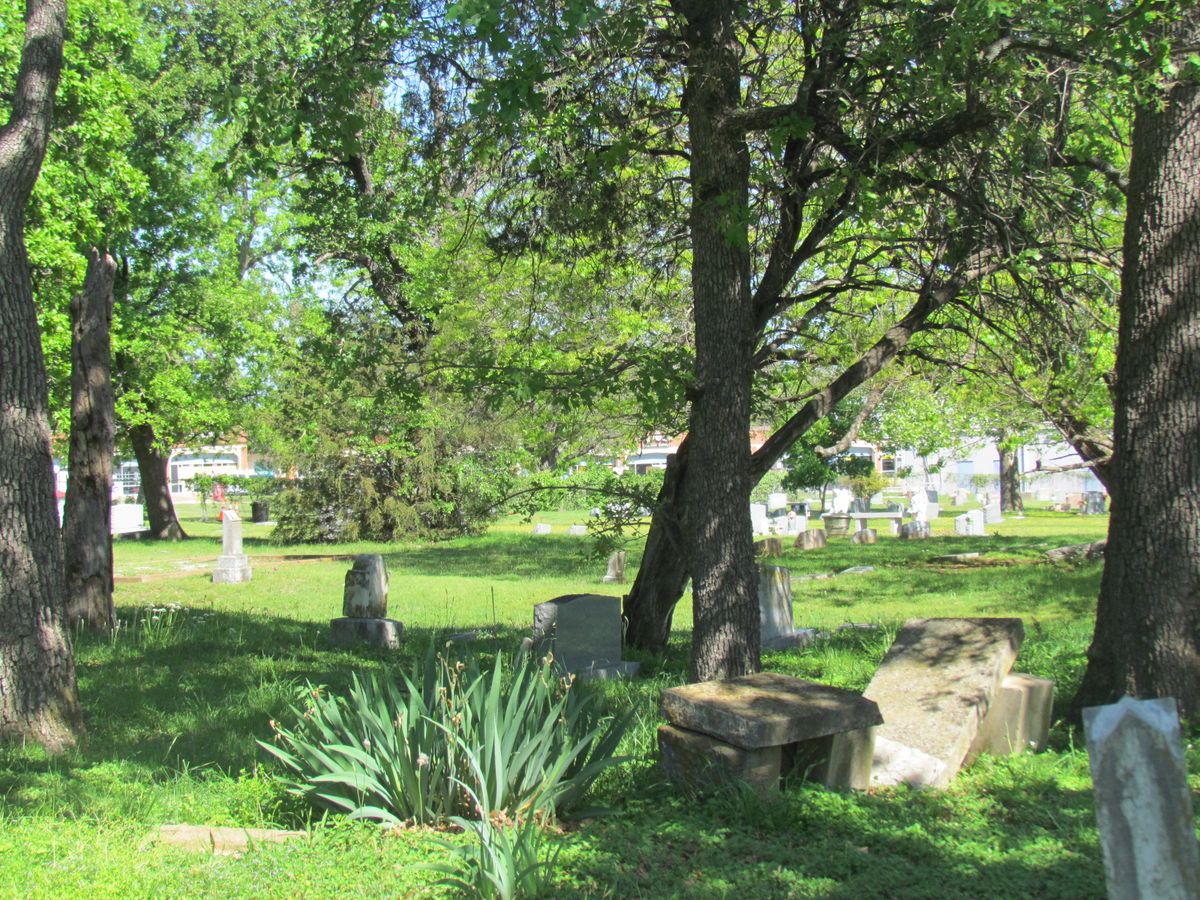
<point x="583" y="632"/>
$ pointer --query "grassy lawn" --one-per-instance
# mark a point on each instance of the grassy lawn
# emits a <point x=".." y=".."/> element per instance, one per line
<point x="176" y="699"/>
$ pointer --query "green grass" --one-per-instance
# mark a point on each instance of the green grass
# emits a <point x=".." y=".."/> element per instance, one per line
<point x="174" y="707"/>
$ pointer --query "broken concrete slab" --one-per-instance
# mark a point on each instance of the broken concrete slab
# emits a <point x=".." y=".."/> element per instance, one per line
<point x="223" y="841"/>
<point x="767" y="709"/>
<point x="934" y="688"/>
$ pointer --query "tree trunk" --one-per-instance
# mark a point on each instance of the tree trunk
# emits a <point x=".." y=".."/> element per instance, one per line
<point x="716" y="489"/>
<point x="156" y="489"/>
<point x="38" y="697"/>
<point x="87" y="538"/>
<point x="1010" y="480"/>
<point x="663" y="573"/>
<point x="1147" y="638"/>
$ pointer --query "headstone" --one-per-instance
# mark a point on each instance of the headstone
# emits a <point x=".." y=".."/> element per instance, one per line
<point x="857" y="570"/>
<point x="541" y="528"/>
<point x="933" y="689"/>
<point x="771" y="546"/>
<point x="616" y="568"/>
<point x="758" y="518"/>
<point x="961" y="497"/>
<point x="777" y="628"/>
<point x="232" y="565"/>
<point x="970" y="523"/>
<point x="365" y="594"/>
<point x="127" y="518"/>
<point x="913" y="531"/>
<point x="810" y="540"/>
<point x="860" y="505"/>
<point x="737" y="726"/>
<point x="864" y="536"/>
<point x="1018" y="719"/>
<point x="583" y="632"/>
<point x="776" y="501"/>
<point x="1093" y="503"/>
<point x="918" y="507"/>
<point x="796" y="524"/>
<point x="577" y="530"/>
<point x="364" y="607"/>
<point x="992" y="514"/>
<point x="933" y="508"/>
<point x="1143" y="803"/>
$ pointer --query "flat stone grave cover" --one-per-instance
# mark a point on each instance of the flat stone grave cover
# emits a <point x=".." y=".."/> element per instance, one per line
<point x="934" y="687"/>
<point x="767" y="710"/>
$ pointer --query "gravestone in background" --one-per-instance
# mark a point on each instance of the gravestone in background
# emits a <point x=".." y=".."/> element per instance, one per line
<point x="577" y="530"/>
<point x="933" y="688"/>
<point x="970" y="523"/>
<point x="616" y="568"/>
<point x="1143" y="803"/>
<point x="992" y="514"/>
<point x="758" y="518"/>
<point x="583" y="632"/>
<point x="864" y="536"/>
<point x="232" y="565"/>
<point x="541" y="529"/>
<point x="810" y="540"/>
<point x="777" y="629"/>
<point x="364" y="607"/>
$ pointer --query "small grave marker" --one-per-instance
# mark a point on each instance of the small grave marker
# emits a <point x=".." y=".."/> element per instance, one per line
<point x="232" y="565"/>
<point x="583" y="632"/>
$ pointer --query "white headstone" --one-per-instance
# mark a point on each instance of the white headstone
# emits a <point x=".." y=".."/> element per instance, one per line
<point x="992" y="514"/>
<point x="577" y="530"/>
<point x="616" y="568"/>
<point x="129" y="518"/>
<point x="232" y="565"/>
<point x="541" y="528"/>
<point x="919" y="507"/>
<point x="1143" y="803"/>
<point x="796" y="524"/>
<point x="776" y="501"/>
<point x="758" y="518"/>
<point x="970" y="523"/>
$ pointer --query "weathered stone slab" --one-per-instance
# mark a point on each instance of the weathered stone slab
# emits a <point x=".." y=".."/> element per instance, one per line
<point x="577" y="530"/>
<point x="541" y="529"/>
<point x="771" y="546"/>
<point x="840" y="760"/>
<point x="895" y="763"/>
<point x="1143" y="803"/>
<point x="350" y="631"/>
<point x="865" y="536"/>
<point x="699" y="761"/>
<point x="777" y="630"/>
<point x="992" y="514"/>
<point x="365" y="594"/>
<point x="935" y="685"/>
<point x="857" y="570"/>
<point x="914" y="531"/>
<point x="583" y="632"/>
<point x="810" y="540"/>
<point x="955" y="557"/>
<point x="1018" y="719"/>
<point x="222" y="841"/>
<point x="767" y="709"/>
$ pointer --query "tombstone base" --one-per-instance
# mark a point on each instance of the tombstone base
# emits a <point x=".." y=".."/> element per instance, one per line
<point x="838" y="761"/>
<point x="608" y="671"/>
<point x="797" y="638"/>
<point x="231" y="570"/>
<point x="697" y="761"/>
<point x="865" y="536"/>
<point x="1018" y="718"/>
<point x="348" y="632"/>
<point x="810" y="540"/>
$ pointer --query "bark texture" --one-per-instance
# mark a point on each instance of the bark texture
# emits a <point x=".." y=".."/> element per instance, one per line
<point x="1010" y="479"/>
<point x="87" y="536"/>
<point x="156" y="489"/>
<point x="725" y="639"/>
<point x="38" y="697"/>
<point x="1147" y="638"/>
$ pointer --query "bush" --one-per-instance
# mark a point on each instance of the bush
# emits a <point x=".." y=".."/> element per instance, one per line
<point x="425" y="747"/>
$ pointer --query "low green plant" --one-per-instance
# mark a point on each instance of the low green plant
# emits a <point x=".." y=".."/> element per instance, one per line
<point x="402" y="749"/>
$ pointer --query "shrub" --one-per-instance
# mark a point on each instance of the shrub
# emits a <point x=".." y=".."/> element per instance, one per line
<point x="420" y="748"/>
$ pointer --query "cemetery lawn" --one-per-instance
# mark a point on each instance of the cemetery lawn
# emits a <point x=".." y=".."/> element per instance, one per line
<point x="176" y="699"/>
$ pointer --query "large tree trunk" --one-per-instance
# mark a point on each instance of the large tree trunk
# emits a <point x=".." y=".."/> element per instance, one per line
<point x="716" y="489"/>
<point x="38" y="696"/>
<point x="1147" y="638"/>
<point x="87" y="537"/>
<point x="662" y="574"/>
<point x="156" y="489"/>
<point x="1010" y="479"/>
